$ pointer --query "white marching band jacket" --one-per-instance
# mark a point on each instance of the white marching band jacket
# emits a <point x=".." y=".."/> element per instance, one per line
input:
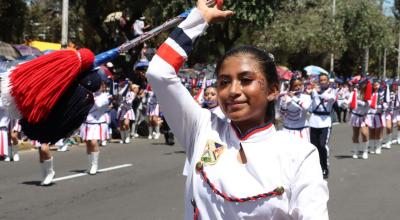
<point x="321" y="107"/>
<point x="294" y="111"/>
<point x="273" y="159"/>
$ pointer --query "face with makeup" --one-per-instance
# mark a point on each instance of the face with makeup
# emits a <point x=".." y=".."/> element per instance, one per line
<point x="210" y="97"/>
<point x="243" y="90"/>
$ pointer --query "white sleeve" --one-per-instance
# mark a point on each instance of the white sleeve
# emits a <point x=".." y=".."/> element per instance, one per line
<point x="309" y="192"/>
<point x="329" y="95"/>
<point x="182" y="112"/>
<point x="304" y="102"/>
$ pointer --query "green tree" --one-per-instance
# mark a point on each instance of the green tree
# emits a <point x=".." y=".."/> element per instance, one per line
<point x="12" y="14"/>
<point x="367" y="30"/>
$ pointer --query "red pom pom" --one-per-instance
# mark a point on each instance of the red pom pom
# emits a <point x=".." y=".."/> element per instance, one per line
<point x="368" y="91"/>
<point x="37" y="85"/>
<point x="353" y="103"/>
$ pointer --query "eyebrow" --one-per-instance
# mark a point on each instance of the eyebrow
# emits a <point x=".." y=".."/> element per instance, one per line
<point x="248" y="72"/>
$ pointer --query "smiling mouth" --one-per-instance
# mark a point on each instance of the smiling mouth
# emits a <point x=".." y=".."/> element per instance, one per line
<point x="235" y="105"/>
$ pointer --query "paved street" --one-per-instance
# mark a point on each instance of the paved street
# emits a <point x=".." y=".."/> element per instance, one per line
<point x="149" y="184"/>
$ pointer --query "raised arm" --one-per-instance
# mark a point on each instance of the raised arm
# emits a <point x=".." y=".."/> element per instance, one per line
<point x="182" y="112"/>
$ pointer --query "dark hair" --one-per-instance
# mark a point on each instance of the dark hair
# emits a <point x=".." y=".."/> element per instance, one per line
<point x="266" y="63"/>
<point x="323" y="74"/>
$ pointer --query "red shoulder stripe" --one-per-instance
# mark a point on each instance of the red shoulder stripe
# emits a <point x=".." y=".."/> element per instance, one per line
<point x="170" y="56"/>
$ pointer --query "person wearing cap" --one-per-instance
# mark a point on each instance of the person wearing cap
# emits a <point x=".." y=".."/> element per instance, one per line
<point x="140" y="102"/>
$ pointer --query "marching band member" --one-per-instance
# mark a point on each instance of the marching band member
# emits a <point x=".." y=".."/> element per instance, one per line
<point x="397" y="114"/>
<point x="342" y="97"/>
<point x="323" y="98"/>
<point x="359" y="107"/>
<point x="390" y="98"/>
<point x="15" y="132"/>
<point x="374" y="119"/>
<point x="153" y="114"/>
<point x="4" y="128"/>
<point x="238" y="160"/>
<point x="211" y="102"/>
<point x="92" y="130"/>
<point x="294" y="109"/>
<point x="126" y="114"/>
<point x="47" y="164"/>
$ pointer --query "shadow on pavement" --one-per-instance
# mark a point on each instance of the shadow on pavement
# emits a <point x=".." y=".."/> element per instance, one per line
<point x="35" y="183"/>
<point x="77" y="171"/>
<point x="175" y="152"/>
<point x="339" y="157"/>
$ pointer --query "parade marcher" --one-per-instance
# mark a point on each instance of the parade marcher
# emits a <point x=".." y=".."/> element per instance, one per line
<point x="153" y="114"/>
<point x="15" y="133"/>
<point x="211" y="101"/>
<point x="233" y="164"/>
<point x="323" y="97"/>
<point x="389" y="117"/>
<point x="375" y="119"/>
<point x="140" y="102"/>
<point x="92" y="130"/>
<point x="46" y="163"/>
<point x="358" y="102"/>
<point x="4" y="129"/>
<point x="294" y="108"/>
<point x="342" y="105"/>
<point x="126" y="114"/>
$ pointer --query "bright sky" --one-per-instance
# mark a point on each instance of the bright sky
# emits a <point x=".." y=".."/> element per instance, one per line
<point x="388" y="7"/>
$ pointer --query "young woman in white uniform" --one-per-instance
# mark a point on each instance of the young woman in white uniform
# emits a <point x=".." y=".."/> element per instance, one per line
<point x="211" y="102"/>
<point x="126" y="115"/>
<point x="359" y="108"/>
<point x="153" y="113"/>
<point x="15" y="132"/>
<point x="294" y="109"/>
<point x="4" y="129"/>
<point x="92" y="131"/>
<point x="242" y="168"/>
<point x="390" y="114"/>
<point x="375" y="120"/>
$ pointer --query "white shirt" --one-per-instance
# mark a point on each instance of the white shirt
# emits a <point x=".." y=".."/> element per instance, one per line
<point x="97" y="113"/>
<point x="294" y="110"/>
<point x="362" y="106"/>
<point x="273" y="158"/>
<point x="322" y="103"/>
<point x="138" y="27"/>
<point x="342" y="97"/>
<point x="4" y="116"/>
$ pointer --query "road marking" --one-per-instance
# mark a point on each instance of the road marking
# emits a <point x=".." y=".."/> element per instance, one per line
<point x="85" y="174"/>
